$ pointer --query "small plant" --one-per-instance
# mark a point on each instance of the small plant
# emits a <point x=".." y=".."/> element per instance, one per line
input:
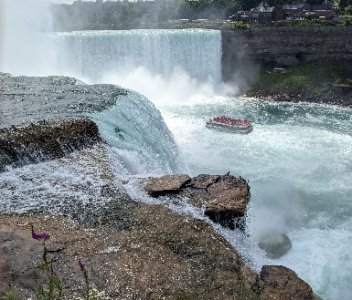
<point x="49" y="287"/>
<point x="90" y="293"/>
<point x="9" y="295"/>
<point x="86" y="279"/>
<point x="348" y="9"/>
<point x="49" y="284"/>
<point x="237" y="25"/>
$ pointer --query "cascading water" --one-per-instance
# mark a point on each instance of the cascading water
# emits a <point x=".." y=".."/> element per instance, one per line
<point x="137" y="132"/>
<point x="134" y="126"/>
<point x="297" y="159"/>
<point x="299" y="165"/>
<point x="92" y="54"/>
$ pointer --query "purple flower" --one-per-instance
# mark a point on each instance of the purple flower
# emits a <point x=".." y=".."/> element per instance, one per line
<point x="82" y="265"/>
<point x="39" y="235"/>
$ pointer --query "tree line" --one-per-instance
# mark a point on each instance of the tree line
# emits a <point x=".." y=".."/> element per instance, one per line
<point x="140" y="14"/>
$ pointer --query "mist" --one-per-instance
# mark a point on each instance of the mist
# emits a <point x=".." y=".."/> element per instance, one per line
<point x="131" y="14"/>
<point x="27" y="48"/>
<point x="24" y="48"/>
<point x="178" y="88"/>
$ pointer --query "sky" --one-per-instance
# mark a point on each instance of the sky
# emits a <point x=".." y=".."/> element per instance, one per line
<point x="70" y="1"/>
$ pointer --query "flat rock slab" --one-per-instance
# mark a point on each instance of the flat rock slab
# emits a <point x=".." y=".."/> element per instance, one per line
<point x="224" y="198"/>
<point x="165" y="185"/>
<point x="164" y="257"/>
<point x="31" y="99"/>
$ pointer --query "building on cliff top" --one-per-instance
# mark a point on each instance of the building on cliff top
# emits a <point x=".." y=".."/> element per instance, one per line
<point x="265" y="13"/>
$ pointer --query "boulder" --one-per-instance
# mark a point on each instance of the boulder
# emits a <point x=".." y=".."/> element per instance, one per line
<point x="224" y="198"/>
<point x="281" y="283"/>
<point x="227" y="201"/>
<point x="275" y="244"/>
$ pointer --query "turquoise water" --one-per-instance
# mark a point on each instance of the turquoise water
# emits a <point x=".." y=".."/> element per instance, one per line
<point x="298" y="161"/>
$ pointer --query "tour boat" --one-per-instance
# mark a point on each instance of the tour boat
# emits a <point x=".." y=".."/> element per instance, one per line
<point x="230" y="125"/>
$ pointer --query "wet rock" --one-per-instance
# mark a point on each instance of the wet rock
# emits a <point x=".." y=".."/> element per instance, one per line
<point x="334" y="97"/>
<point x="52" y="98"/>
<point x="281" y="283"/>
<point x="227" y="201"/>
<point x="275" y="244"/>
<point x="165" y="185"/>
<point x="224" y="198"/>
<point x="169" y="257"/>
<point x="37" y="143"/>
<point x="165" y="257"/>
<point x="204" y="181"/>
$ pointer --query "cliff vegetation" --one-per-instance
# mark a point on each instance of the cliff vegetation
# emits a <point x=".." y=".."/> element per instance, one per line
<point x="331" y="82"/>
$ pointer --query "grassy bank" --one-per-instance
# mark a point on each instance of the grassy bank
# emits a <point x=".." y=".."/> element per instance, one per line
<point x="315" y="78"/>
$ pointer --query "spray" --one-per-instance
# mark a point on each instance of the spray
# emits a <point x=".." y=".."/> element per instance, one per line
<point x="24" y="48"/>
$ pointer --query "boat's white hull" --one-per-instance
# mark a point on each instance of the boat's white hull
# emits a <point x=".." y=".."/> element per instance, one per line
<point x="230" y="128"/>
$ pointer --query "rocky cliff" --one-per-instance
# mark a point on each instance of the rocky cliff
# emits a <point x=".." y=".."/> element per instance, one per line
<point x="283" y="46"/>
<point x="130" y="250"/>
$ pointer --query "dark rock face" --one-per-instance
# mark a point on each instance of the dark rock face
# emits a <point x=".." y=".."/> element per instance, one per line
<point x="37" y="143"/>
<point x="284" y="46"/>
<point x="281" y="283"/>
<point x="163" y="257"/>
<point x="224" y="198"/>
<point x="275" y="244"/>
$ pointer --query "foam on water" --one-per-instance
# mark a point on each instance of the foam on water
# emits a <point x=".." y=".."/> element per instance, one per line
<point x="59" y="186"/>
<point x="298" y="161"/>
<point x="298" y="158"/>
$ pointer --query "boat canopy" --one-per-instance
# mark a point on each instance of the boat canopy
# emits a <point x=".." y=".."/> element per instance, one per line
<point x="230" y="121"/>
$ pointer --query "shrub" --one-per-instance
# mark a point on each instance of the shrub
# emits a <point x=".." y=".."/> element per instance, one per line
<point x="348" y="9"/>
<point x="237" y="25"/>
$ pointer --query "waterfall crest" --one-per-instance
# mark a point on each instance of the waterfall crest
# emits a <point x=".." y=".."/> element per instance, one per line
<point x="136" y="130"/>
<point x="91" y="54"/>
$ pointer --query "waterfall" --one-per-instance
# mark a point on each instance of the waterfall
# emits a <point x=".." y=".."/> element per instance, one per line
<point x="138" y="135"/>
<point x="91" y="54"/>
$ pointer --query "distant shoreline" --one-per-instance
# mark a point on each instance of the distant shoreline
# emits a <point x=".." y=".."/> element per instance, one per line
<point x="302" y="97"/>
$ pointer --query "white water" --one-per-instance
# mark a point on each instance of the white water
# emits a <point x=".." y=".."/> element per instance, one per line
<point x="92" y="56"/>
<point x="135" y="128"/>
<point x="300" y="172"/>
<point x="298" y="158"/>
<point x="298" y="162"/>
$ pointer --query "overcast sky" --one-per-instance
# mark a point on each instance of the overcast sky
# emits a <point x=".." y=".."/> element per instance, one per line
<point x="70" y="1"/>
